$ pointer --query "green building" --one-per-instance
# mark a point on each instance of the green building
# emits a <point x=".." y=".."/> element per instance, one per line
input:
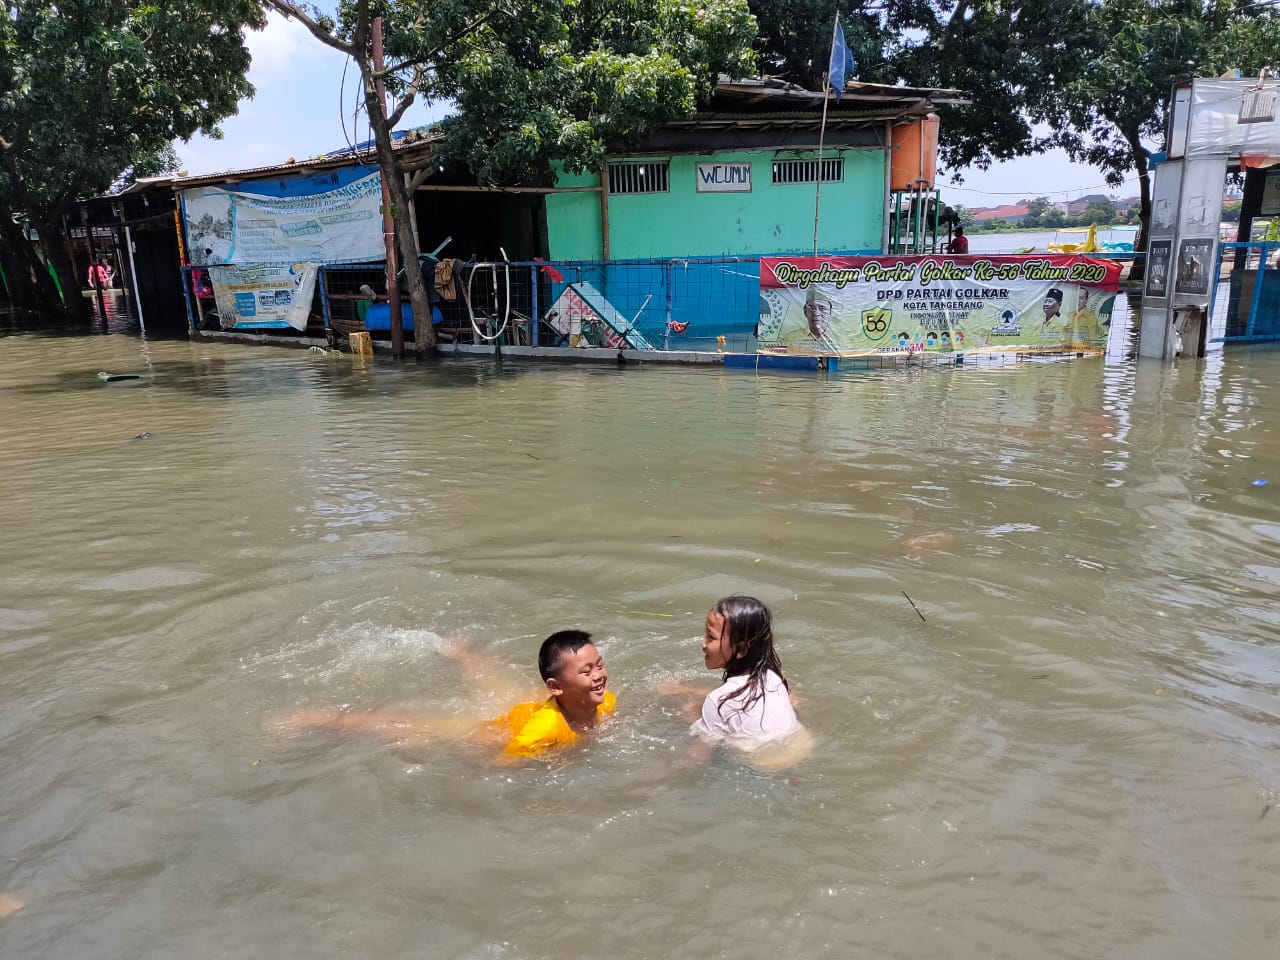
<point x="740" y="178"/>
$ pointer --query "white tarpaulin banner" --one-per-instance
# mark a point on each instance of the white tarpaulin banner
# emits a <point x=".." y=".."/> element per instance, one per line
<point x="1217" y="109"/>
<point x="327" y="217"/>
<point x="264" y="296"/>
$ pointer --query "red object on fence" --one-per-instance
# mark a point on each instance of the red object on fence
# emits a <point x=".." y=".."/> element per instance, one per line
<point x="555" y="275"/>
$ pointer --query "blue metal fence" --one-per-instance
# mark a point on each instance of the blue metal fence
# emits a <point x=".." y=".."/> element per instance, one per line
<point x="1245" y="306"/>
<point x="694" y="303"/>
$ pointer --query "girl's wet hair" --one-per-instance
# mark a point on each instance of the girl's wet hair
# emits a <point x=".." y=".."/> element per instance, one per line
<point x="750" y="628"/>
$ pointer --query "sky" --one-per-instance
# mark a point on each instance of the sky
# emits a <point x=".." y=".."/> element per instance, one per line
<point x="302" y="102"/>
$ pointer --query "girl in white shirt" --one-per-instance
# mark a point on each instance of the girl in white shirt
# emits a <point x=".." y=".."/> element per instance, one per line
<point x="752" y="708"/>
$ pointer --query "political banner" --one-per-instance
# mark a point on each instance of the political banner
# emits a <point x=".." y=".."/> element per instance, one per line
<point x="263" y="296"/>
<point x="327" y="217"/>
<point x="853" y="306"/>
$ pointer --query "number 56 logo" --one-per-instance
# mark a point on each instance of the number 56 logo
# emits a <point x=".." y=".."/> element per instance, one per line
<point x="876" y="322"/>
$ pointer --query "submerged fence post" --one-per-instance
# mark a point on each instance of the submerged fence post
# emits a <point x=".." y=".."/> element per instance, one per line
<point x="324" y="300"/>
<point x="666" y="283"/>
<point x="185" y="274"/>
<point x="533" y="304"/>
<point x="1258" y="279"/>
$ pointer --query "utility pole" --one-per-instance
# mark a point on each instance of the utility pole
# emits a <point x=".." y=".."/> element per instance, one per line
<point x="388" y="220"/>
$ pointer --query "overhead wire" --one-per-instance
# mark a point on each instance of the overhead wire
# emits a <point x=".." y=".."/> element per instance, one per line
<point x="355" y="117"/>
<point x="1042" y="193"/>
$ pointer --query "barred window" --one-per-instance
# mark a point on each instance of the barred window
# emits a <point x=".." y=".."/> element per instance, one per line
<point x="640" y="176"/>
<point x="806" y="171"/>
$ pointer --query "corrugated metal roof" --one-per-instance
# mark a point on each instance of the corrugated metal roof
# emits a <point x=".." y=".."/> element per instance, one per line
<point x="747" y="103"/>
<point x="778" y="93"/>
<point x="406" y="144"/>
<point x="799" y="118"/>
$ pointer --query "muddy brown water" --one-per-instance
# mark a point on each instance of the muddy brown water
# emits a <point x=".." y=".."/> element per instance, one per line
<point x="1074" y="753"/>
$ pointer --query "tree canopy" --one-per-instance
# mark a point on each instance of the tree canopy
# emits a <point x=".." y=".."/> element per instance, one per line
<point x="1091" y="76"/>
<point x="1008" y="54"/>
<point x="535" y="83"/>
<point x="1118" y="103"/>
<point x="567" y="80"/>
<point x="90" y="89"/>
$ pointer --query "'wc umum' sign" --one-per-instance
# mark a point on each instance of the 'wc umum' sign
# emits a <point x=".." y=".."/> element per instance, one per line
<point x="724" y="178"/>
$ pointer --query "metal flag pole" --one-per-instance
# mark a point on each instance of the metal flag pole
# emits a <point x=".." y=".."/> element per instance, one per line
<point x="822" y="136"/>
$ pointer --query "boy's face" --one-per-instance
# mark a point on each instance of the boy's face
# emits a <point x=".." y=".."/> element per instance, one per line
<point x="580" y="678"/>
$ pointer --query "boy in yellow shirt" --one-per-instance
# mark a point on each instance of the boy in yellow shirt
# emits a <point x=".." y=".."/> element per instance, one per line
<point x="575" y="677"/>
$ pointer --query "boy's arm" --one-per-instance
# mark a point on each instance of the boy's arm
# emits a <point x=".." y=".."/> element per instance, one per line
<point x="392" y="724"/>
<point x="485" y="673"/>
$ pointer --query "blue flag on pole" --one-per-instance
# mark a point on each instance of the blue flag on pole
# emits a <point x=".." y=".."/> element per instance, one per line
<point x="841" y="67"/>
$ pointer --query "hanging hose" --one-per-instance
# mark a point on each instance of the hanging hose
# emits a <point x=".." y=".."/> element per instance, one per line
<point x="506" y="315"/>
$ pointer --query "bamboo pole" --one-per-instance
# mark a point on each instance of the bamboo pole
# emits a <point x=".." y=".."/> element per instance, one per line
<point x="604" y="209"/>
<point x="822" y="136"/>
<point x="388" y="220"/>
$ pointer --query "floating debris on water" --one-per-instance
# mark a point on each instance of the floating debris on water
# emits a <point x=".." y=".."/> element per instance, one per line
<point x="914" y="607"/>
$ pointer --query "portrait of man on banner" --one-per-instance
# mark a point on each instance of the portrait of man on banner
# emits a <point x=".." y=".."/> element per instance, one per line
<point x="818" y="328"/>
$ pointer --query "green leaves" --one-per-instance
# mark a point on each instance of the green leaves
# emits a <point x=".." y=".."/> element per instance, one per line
<point x="570" y="79"/>
<point x="1118" y="102"/>
<point x="92" y="88"/>
<point x="1006" y="54"/>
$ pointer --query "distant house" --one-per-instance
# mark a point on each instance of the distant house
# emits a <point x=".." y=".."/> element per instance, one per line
<point x="1128" y="207"/>
<point x="1013" y="212"/>
<point x="1078" y="206"/>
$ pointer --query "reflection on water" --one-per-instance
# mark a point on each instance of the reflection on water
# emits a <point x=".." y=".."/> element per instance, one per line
<point x="1072" y="753"/>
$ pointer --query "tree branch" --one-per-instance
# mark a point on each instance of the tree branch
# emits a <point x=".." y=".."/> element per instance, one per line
<point x="291" y="11"/>
<point x="426" y="57"/>
<point x="413" y="165"/>
<point x="407" y="101"/>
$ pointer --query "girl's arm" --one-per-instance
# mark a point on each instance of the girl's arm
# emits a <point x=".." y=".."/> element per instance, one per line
<point x="676" y="688"/>
<point x="692" y="693"/>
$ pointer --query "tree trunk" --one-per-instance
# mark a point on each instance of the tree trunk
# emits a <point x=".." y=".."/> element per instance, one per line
<point x="31" y="280"/>
<point x="54" y="246"/>
<point x="1139" y="269"/>
<point x="17" y="266"/>
<point x="424" y="333"/>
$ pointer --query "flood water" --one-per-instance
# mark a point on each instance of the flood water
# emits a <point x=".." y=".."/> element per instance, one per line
<point x="1039" y="240"/>
<point x="1073" y="754"/>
